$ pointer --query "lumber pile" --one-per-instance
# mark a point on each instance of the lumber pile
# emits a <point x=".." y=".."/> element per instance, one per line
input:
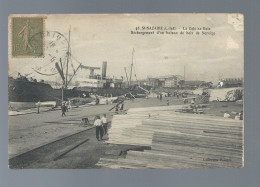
<point x="128" y="129"/>
<point x="177" y="140"/>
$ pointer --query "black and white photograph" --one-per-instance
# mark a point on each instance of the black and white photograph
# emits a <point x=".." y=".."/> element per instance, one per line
<point x="126" y="91"/>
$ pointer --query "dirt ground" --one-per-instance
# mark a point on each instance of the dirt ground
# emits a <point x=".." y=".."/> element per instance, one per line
<point x="85" y="156"/>
<point x="29" y="131"/>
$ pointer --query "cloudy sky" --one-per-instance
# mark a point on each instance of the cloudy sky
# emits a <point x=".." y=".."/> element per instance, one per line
<point x="98" y="38"/>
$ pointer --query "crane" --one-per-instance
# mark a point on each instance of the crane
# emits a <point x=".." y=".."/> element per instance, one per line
<point x="144" y="89"/>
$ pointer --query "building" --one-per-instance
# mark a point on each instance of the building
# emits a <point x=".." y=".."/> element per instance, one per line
<point x="154" y="82"/>
<point x="232" y="82"/>
<point x="173" y="81"/>
<point x="169" y="81"/>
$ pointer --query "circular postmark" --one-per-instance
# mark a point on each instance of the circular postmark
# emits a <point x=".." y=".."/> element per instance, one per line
<point x="56" y="50"/>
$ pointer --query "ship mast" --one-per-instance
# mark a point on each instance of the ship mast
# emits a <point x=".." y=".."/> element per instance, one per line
<point x="126" y="76"/>
<point x="131" y="67"/>
<point x="68" y="59"/>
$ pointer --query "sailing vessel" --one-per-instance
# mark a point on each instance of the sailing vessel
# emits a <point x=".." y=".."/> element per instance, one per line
<point x="135" y="89"/>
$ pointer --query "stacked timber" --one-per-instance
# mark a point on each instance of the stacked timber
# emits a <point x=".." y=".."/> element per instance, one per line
<point x="177" y="140"/>
<point x="128" y="129"/>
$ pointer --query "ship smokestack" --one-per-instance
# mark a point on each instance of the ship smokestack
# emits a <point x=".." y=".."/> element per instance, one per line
<point x="104" y="69"/>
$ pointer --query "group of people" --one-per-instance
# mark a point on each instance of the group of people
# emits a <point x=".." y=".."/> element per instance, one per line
<point x="180" y="94"/>
<point x="101" y="126"/>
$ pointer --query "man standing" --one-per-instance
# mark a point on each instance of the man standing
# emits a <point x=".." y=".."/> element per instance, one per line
<point x="104" y="122"/>
<point x="97" y="100"/>
<point x="38" y="106"/>
<point x="117" y="108"/>
<point x="63" y="109"/>
<point x="69" y="105"/>
<point x="122" y="106"/>
<point x="99" y="129"/>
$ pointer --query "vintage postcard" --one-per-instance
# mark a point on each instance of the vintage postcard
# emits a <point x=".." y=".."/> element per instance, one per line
<point x="134" y="91"/>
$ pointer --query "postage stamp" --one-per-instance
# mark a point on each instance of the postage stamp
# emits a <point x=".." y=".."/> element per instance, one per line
<point x="26" y="42"/>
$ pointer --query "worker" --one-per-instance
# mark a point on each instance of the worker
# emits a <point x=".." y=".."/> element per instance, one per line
<point x="117" y="108"/>
<point x="132" y="98"/>
<point x="63" y="109"/>
<point x="97" y="100"/>
<point x="168" y="103"/>
<point x="69" y="105"/>
<point x="38" y="106"/>
<point x="104" y="123"/>
<point x="122" y="106"/>
<point x="99" y="129"/>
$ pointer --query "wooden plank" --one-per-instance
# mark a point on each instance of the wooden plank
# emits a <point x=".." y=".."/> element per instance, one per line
<point x="170" y="160"/>
<point x="177" y="140"/>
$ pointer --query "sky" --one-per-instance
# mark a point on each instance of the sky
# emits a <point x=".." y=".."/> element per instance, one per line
<point x="98" y="38"/>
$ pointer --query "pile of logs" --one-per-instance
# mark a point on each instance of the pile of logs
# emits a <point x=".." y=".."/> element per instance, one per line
<point x="177" y="140"/>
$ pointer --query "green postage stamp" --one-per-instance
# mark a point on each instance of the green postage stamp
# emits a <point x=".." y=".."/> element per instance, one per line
<point x="27" y="37"/>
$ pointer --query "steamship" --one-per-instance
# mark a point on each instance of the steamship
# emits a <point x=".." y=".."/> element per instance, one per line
<point x="23" y="89"/>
